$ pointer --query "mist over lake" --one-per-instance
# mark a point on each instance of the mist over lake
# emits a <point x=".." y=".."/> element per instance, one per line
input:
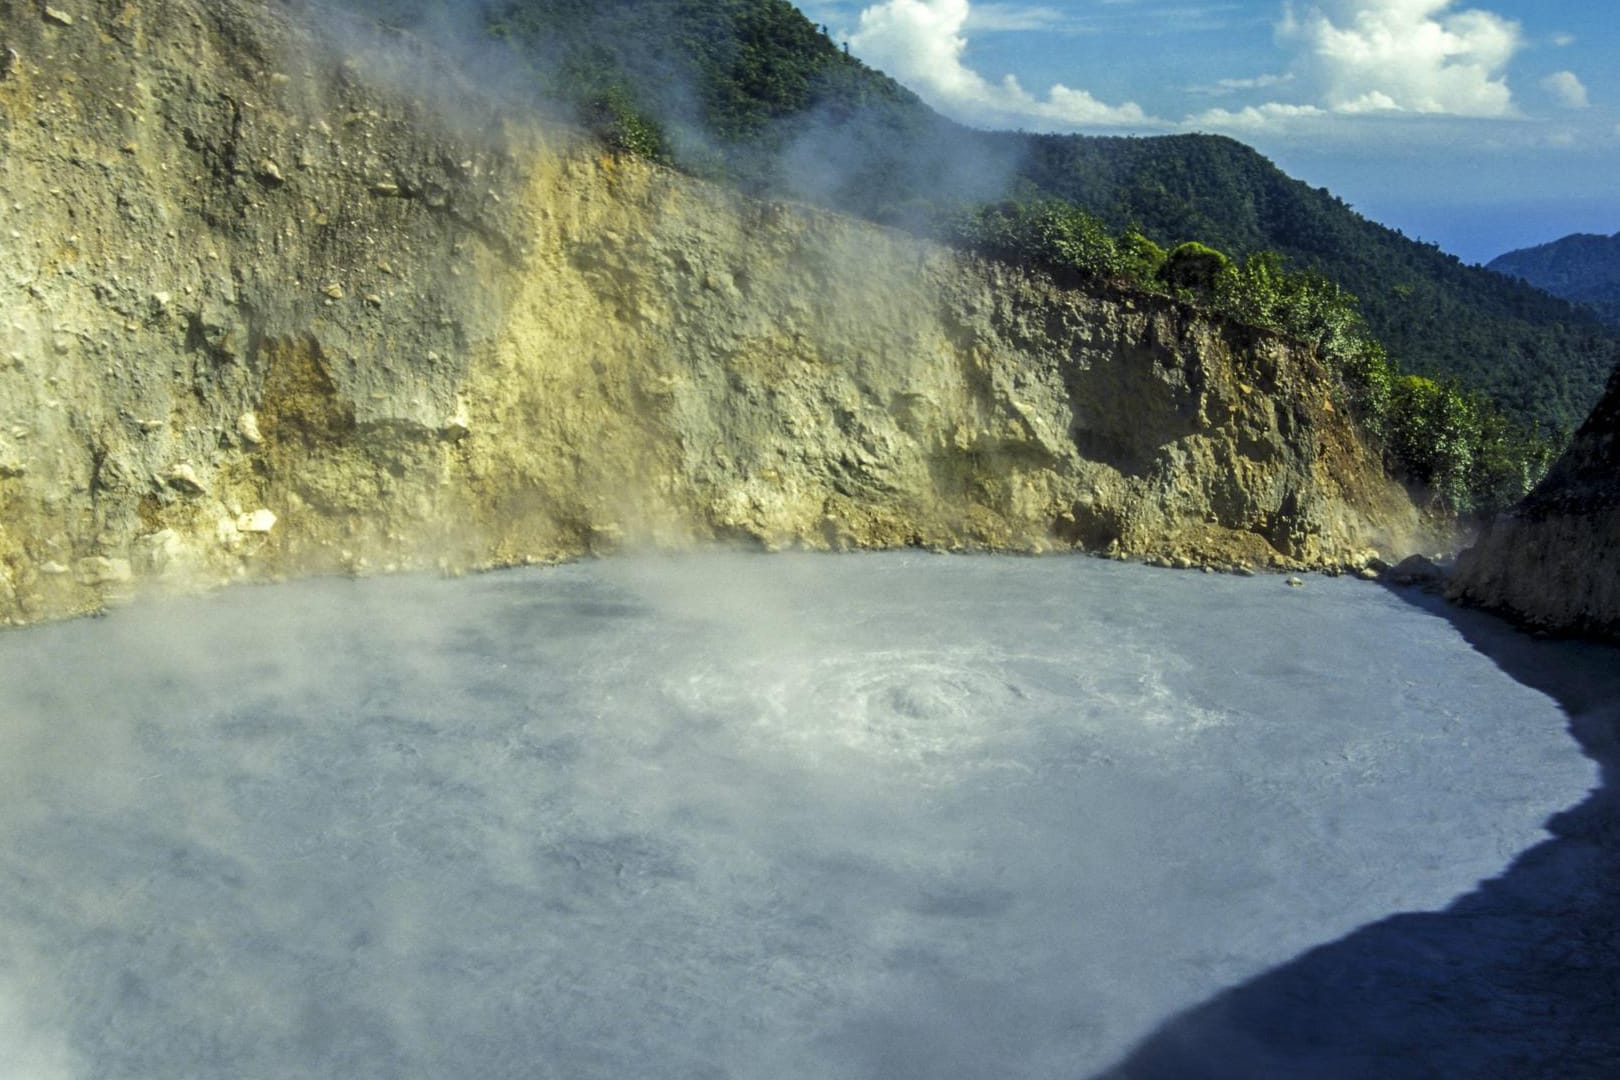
<point x="741" y="816"/>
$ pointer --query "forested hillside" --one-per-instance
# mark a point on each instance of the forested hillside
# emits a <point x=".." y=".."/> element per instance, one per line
<point x="1541" y="359"/>
<point x="753" y="93"/>
<point x="1583" y="268"/>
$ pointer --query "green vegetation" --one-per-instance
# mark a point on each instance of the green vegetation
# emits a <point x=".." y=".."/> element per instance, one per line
<point x="1437" y="435"/>
<point x="1195" y="267"/>
<point x="722" y="88"/>
<point x="1541" y="360"/>
<point x="752" y="93"/>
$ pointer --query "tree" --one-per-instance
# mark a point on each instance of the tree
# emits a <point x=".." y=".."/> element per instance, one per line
<point x="1194" y="266"/>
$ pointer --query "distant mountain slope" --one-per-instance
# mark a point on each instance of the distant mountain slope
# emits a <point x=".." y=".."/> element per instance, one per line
<point x="1583" y="268"/>
<point x="1541" y="359"/>
<point x="752" y="92"/>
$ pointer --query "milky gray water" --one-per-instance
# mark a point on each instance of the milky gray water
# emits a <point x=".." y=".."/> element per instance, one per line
<point x="728" y="816"/>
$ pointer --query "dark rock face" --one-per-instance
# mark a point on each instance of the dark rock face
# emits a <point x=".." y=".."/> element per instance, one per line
<point x="1417" y="570"/>
<point x="1554" y="561"/>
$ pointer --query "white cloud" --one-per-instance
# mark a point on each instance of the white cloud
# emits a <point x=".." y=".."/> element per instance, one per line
<point x="1564" y="41"/>
<point x="1351" y="65"/>
<point x="920" y="43"/>
<point x="1228" y="87"/>
<point x="1416" y="56"/>
<point x="1260" y="82"/>
<point x="1015" y="17"/>
<point x="1566" y="86"/>
<point x="1372" y="58"/>
<point x="1268" y="117"/>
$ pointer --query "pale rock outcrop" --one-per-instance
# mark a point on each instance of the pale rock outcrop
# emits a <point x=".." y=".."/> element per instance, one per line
<point x="268" y="312"/>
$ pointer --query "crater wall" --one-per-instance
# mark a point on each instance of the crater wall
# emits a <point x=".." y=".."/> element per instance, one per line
<point x="288" y="295"/>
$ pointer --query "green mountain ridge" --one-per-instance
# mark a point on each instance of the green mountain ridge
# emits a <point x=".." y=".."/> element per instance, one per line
<point x="1583" y="268"/>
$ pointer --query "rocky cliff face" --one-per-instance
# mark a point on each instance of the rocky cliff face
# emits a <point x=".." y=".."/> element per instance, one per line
<point x="1554" y="561"/>
<point x="267" y="311"/>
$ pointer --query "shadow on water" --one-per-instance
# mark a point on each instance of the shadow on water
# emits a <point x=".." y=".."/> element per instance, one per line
<point x="1519" y="978"/>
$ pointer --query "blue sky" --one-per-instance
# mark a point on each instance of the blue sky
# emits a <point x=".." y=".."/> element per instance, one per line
<point x="1480" y="126"/>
